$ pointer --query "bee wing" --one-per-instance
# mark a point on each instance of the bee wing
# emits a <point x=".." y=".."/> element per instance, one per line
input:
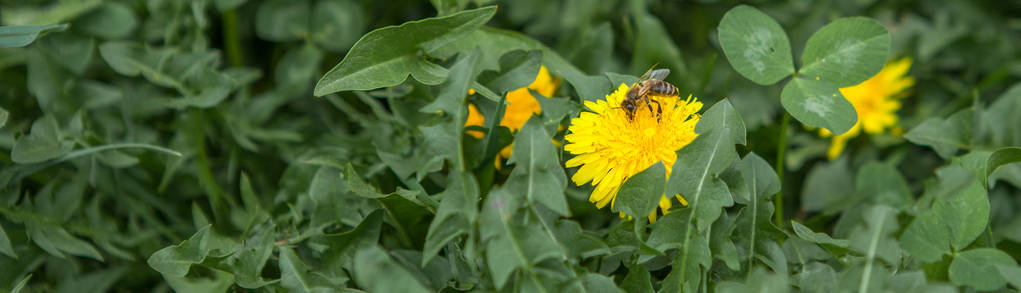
<point x="658" y="74"/>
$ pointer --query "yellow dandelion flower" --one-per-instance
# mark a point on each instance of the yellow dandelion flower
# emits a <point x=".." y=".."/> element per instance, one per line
<point x="610" y="148"/>
<point x="876" y="100"/>
<point x="522" y="105"/>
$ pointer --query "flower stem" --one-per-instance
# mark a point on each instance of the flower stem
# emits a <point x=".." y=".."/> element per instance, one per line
<point x="231" y="40"/>
<point x="781" y="148"/>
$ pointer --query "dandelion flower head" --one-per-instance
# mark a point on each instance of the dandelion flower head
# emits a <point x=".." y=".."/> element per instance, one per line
<point x="609" y="148"/>
<point x="521" y="106"/>
<point x="876" y="100"/>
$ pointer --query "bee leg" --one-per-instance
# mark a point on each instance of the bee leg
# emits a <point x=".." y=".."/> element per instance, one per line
<point x="659" y="110"/>
<point x="649" y="102"/>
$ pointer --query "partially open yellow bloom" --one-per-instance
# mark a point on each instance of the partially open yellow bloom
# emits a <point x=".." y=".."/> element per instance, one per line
<point x="610" y="148"/>
<point x="876" y="100"/>
<point x="521" y="107"/>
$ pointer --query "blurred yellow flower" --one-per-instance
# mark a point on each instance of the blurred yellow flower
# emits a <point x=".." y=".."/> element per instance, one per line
<point x="521" y="107"/>
<point x="876" y="100"/>
<point x="610" y="149"/>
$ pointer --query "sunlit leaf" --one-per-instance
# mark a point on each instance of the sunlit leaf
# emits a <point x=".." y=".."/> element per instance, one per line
<point x="818" y="103"/>
<point x="756" y="45"/>
<point x="846" y="52"/>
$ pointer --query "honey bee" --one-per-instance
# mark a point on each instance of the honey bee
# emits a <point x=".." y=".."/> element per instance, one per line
<point x="650" y="83"/>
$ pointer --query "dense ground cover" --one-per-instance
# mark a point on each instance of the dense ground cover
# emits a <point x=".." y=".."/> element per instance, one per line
<point x="414" y="146"/>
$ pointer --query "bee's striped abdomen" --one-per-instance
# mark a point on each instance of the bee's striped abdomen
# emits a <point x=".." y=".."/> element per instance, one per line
<point x="660" y="87"/>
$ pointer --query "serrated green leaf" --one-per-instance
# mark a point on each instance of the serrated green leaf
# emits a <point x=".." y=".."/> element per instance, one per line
<point x="978" y="268"/>
<point x="517" y="70"/>
<point x="538" y="173"/>
<point x="818" y="103"/>
<point x="846" y="52"/>
<point x="576" y="242"/>
<point x="759" y="179"/>
<point x="694" y="175"/>
<point x="385" y="57"/>
<point x="756" y="45"/>
<point x="637" y="280"/>
<point x="441" y="143"/>
<point x="374" y="270"/>
<point x="452" y="97"/>
<point x="495" y="42"/>
<point x="12" y="36"/>
<point x="723" y="114"/>
<point x="774" y="257"/>
<point x="512" y="241"/>
<point x="296" y="276"/>
<point x="455" y="215"/>
<point x="248" y="262"/>
<point x="721" y="243"/>
<point x="686" y="269"/>
<point x="945" y="136"/>
<point x="343" y="245"/>
<point x="639" y="195"/>
<point x="176" y="260"/>
<point x="43" y="143"/>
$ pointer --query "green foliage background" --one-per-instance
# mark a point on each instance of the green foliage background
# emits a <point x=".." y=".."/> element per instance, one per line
<point x="178" y="145"/>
